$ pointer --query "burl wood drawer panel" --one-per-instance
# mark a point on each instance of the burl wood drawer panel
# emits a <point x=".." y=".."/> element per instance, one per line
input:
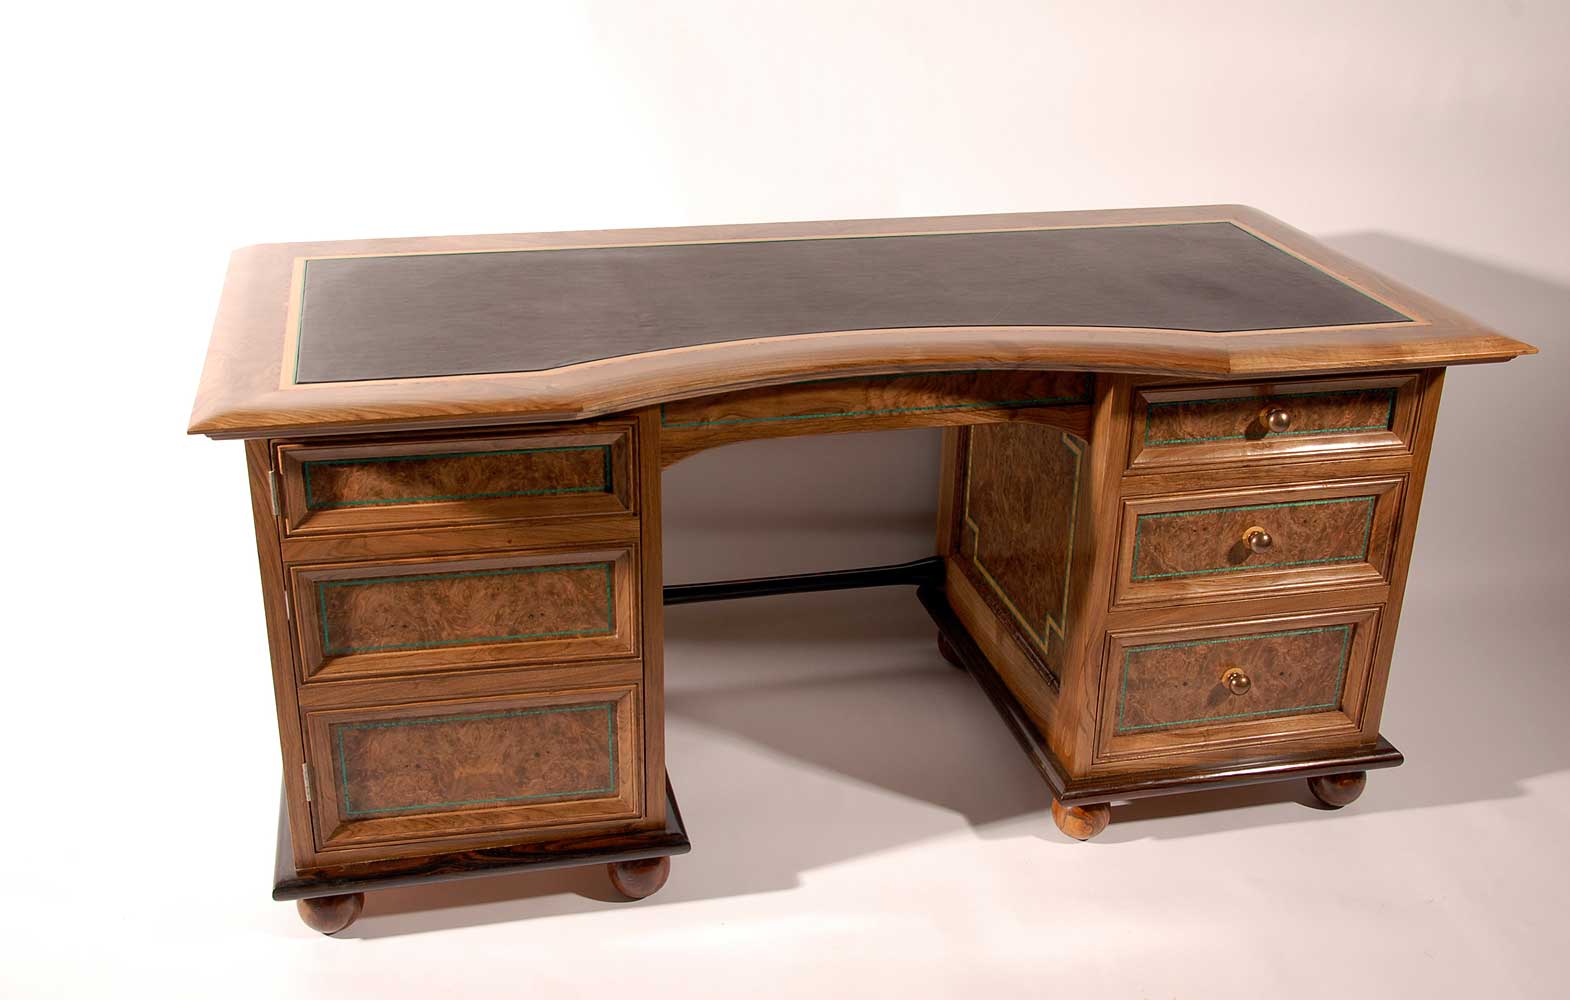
<point x="1265" y="679"/>
<point x="416" y="615"/>
<point x="1198" y="425"/>
<point x="424" y="771"/>
<point x="1196" y="546"/>
<point x="358" y="486"/>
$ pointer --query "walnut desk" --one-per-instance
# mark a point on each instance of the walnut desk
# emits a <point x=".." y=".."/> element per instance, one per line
<point x="1181" y="476"/>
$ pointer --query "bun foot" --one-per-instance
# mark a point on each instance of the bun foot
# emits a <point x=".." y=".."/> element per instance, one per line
<point x="948" y="652"/>
<point x="1337" y="790"/>
<point x="1081" y="822"/>
<point x="331" y="914"/>
<point x="637" y="879"/>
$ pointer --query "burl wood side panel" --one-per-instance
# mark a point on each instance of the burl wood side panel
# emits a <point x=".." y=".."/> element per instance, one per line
<point x="425" y="771"/>
<point x="451" y="613"/>
<point x="1307" y="675"/>
<point x="1175" y="427"/>
<point x="875" y="403"/>
<point x="430" y="481"/>
<point x="1192" y="546"/>
<point x="1019" y="514"/>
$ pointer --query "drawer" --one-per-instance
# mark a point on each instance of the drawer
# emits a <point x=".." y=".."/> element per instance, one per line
<point x="1210" y="685"/>
<point x="1225" y="543"/>
<point x="367" y="486"/>
<point x="425" y="771"/>
<point x="1198" y="425"/>
<point x="418" y="615"/>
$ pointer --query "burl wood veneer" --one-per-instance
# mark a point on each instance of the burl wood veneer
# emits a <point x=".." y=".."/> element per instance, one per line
<point x="1184" y="451"/>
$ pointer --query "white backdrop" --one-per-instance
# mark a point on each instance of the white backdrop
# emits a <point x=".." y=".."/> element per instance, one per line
<point x="860" y="819"/>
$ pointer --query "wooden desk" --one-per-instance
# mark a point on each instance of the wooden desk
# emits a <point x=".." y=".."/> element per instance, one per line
<point x="1181" y="476"/>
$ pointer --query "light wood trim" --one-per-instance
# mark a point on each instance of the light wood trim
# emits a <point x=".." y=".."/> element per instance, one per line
<point x="1096" y="549"/>
<point x="647" y="459"/>
<point x="1406" y="534"/>
<point x="280" y="646"/>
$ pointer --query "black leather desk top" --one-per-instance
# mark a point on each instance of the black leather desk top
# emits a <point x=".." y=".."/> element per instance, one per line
<point x="519" y="311"/>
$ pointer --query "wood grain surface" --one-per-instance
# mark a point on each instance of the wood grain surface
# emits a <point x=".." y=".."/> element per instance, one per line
<point x="1059" y="399"/>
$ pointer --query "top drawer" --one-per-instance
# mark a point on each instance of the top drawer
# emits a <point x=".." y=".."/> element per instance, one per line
<point x="460" y="479"/>
<point x="1222" y="423"/>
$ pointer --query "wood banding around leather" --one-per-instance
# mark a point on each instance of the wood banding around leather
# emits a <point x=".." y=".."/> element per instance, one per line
<point x="392" y="335"/>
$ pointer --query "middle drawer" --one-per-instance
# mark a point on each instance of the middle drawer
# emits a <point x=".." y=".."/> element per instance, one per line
<point x="1201" y="546"/>
<point x="416" y="615"/>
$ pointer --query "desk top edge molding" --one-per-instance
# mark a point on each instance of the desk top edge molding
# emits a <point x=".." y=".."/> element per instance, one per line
<point x="246" y="388"/>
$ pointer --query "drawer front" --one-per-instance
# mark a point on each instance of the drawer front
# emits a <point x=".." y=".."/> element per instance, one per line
<point x="467" y="768"/>
<point x="1211" y="684"/>
<point x="417" y="615"/>
<point x="455" y="480"/>
<point x="1221" y="423"/>
<point x="1199" y="546"/>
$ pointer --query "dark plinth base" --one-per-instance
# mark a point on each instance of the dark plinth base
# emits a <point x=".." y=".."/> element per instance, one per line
<point x="1069" y="792"/>
<point x="633" y="857"/>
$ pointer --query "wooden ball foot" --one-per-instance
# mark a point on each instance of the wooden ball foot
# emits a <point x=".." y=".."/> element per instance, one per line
<point x="1337" y="790"/>
<point x="947" y="651"/>
<point x="331" y="914"/>
<point x="1081" y="822"/>
<point x="637" y="879"/>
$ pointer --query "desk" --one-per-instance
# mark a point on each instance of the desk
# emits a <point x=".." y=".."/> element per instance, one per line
<point x="1184" y="451"/>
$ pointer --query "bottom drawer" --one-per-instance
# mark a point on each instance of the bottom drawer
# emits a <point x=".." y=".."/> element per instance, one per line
<point x="1243" y="681"/>
<point x="467" y="768"/>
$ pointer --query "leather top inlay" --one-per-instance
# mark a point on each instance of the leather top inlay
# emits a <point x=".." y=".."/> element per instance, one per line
<point x="406" y="316"/>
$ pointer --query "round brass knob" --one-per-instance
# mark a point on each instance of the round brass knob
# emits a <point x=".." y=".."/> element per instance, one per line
<point x="1277" y="419"/>
<point x="1257" y="539"/>
<point x="1236" y="681"/>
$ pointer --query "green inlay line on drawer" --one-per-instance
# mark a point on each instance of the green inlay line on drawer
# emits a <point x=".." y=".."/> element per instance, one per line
<point x="608" y="788"/>
<point x="1346" y="637"/>
<point x="1368" y="529"/>
<point x="610" y="608"/>
<point x="1390" y="415"/>
<point x="604" y="485"/>
<point x="830" y="414"/>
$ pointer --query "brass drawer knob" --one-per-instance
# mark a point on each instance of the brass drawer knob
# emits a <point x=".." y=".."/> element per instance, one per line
<point x="1257" y="539"/>
<point x="1277" y="419"/>
<point x="1236" y="681"/>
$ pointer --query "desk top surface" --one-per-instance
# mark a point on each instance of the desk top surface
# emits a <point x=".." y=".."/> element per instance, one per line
<point x="477" y="329"/>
